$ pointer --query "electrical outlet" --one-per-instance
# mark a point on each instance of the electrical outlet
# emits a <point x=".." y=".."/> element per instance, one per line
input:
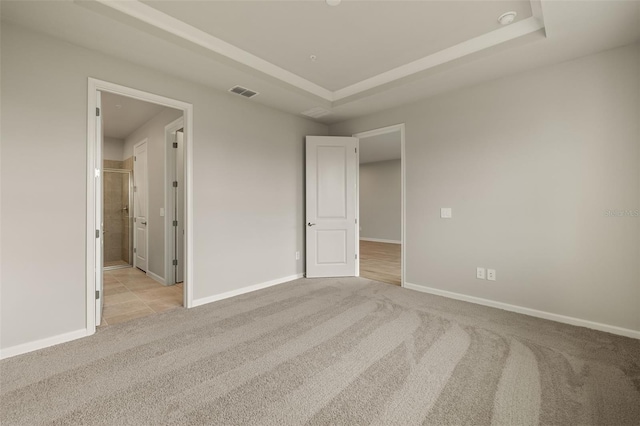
<point x="297" y="255"/>
<point x="480" y="273"/>
<point x="446" y="213"/>
<point x="491" y="274"/>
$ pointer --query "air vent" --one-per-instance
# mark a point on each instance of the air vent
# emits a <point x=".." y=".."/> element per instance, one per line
<point x="316" y="112"/>
<point x="243" y="91"/>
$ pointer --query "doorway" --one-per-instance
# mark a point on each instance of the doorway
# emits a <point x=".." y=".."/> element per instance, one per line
<point x="134" y="287"/>
<point x="380" y="203"/>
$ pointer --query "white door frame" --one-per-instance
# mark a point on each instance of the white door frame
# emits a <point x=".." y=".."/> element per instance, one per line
<point x="94" y="165"/>
<point x="376" y="132"/>
<point x="136" y="243"/>
<point x="169" y="198"/>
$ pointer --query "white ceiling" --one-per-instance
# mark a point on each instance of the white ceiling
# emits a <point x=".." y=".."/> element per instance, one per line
<point x="370" y="55"/>
<point x="352" y="42"/>
<point x="120" y="122"/>
<point x="383" y="147"/>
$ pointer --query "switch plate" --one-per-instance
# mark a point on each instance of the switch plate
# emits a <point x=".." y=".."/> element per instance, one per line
<point x="480" y="273"/>
<point x="491" y="274"/>
<point x="445" y="213"/>
<point x="161" y="211"/>
<point x="297" y="255"/>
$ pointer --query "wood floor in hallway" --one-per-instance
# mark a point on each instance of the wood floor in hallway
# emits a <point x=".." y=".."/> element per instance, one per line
<point x="381" y="261"/>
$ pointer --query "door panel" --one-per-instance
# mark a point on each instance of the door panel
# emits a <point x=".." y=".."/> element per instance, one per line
<point x="331" y="167"/>
<point x="99" y="248"/>
<point x="140" y="205"/>
<point x="180" y="207"/>
<point x="331" y="175"/>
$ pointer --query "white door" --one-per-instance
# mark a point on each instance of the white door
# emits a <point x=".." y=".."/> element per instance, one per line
<point x="331" y="206"/>
<point x="140" y="205"/>
<point x="179" y="214"/>
<point x="99" y="248"/>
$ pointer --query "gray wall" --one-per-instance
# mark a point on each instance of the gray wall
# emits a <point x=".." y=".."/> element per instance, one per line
<point x="113" y="149"/>
<point x="530" y="164"/>
<point x="248" y="183"/>
<point x="153" y="131"/>
<point x="380" y="200"/>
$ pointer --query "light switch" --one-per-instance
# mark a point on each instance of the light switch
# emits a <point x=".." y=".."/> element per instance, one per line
<point x="161" y="211"/>
<point x="445" y="213"/>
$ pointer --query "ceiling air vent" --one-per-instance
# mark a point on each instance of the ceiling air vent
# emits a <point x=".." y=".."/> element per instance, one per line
<point x="243" y="91"/>
<point x="316" y="112"/>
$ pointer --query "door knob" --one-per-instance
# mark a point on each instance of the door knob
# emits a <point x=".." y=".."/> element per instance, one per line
<point x="143" y="222"/>
<point x="310" y="224"/>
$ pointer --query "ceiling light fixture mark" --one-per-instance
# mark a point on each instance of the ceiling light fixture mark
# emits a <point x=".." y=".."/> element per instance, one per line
<point x="333" y="2"/>
<point x="313" y="58"/>
<point x="507" y="18"/>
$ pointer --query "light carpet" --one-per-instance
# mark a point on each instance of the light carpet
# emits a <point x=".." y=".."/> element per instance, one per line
<point x="329" y="351"/>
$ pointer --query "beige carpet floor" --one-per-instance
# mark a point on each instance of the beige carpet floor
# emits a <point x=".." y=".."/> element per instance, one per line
<point x="339" y="352"/>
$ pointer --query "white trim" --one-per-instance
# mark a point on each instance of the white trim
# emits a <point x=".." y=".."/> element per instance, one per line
<point x="243" y="290"/>
<point x="158" y="19"/>
<point x="169" y="162"/>
<point x="156" y="277"/>
<point x="95" y="85"/>
<point x="43" y="343"/>
<point x="485" y="41"/>
<point x="381" y="240"/>
<point x="403" y="168"/>
<point x="140" y="11"/>
<point x="527" y="311"/>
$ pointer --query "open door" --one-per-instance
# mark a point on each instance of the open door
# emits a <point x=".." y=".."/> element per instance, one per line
<point x="331" y="167"/>
<point x="99" y="249"/>
<point x="140" y="205"/>
<point x="179" y="208"/>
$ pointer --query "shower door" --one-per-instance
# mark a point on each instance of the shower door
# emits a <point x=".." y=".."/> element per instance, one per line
<point x="117" y="219"/>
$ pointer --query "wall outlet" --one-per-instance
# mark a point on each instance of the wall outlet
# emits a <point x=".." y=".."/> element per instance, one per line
<point x="491" y="274"/>
<point x="480" y="273"/>
<point x="297" y="255"/>
<point x="446" y="213"/>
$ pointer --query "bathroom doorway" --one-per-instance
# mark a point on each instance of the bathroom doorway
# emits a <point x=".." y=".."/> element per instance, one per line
<point x="117" y="216"/>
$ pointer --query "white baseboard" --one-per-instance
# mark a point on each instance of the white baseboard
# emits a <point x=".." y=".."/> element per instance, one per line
<point x="380" y="240"/>
<point x="527" y="311"/>
<point x="42" y="343"/>
<point x="157" y="278"/>
<point x="243" y="290"/>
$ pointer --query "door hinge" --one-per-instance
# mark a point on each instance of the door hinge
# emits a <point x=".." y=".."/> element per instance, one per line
<point x="356" y="255"/>
<point x="356" y="150"/>
<point x="135" y="250"/>
<point x="356" y="220"/>
<point x="135" y="189"/>
<point x="175" y="262"/>
<point x="175" y="183"/>
<point x="97" y="294"/>
<point x="134" y="158"/>
<point x="97" y="112"/>
<point x="175" y="144"/>
<point x="97" y="233"/>
<point x="175" y="223"/>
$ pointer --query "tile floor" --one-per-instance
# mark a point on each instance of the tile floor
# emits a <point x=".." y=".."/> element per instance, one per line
<point x="129" y="294"/>
<point x="115" y="263"/>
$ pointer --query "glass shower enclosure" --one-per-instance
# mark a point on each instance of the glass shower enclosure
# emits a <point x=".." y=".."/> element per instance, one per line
<point x="117" y="218"/>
